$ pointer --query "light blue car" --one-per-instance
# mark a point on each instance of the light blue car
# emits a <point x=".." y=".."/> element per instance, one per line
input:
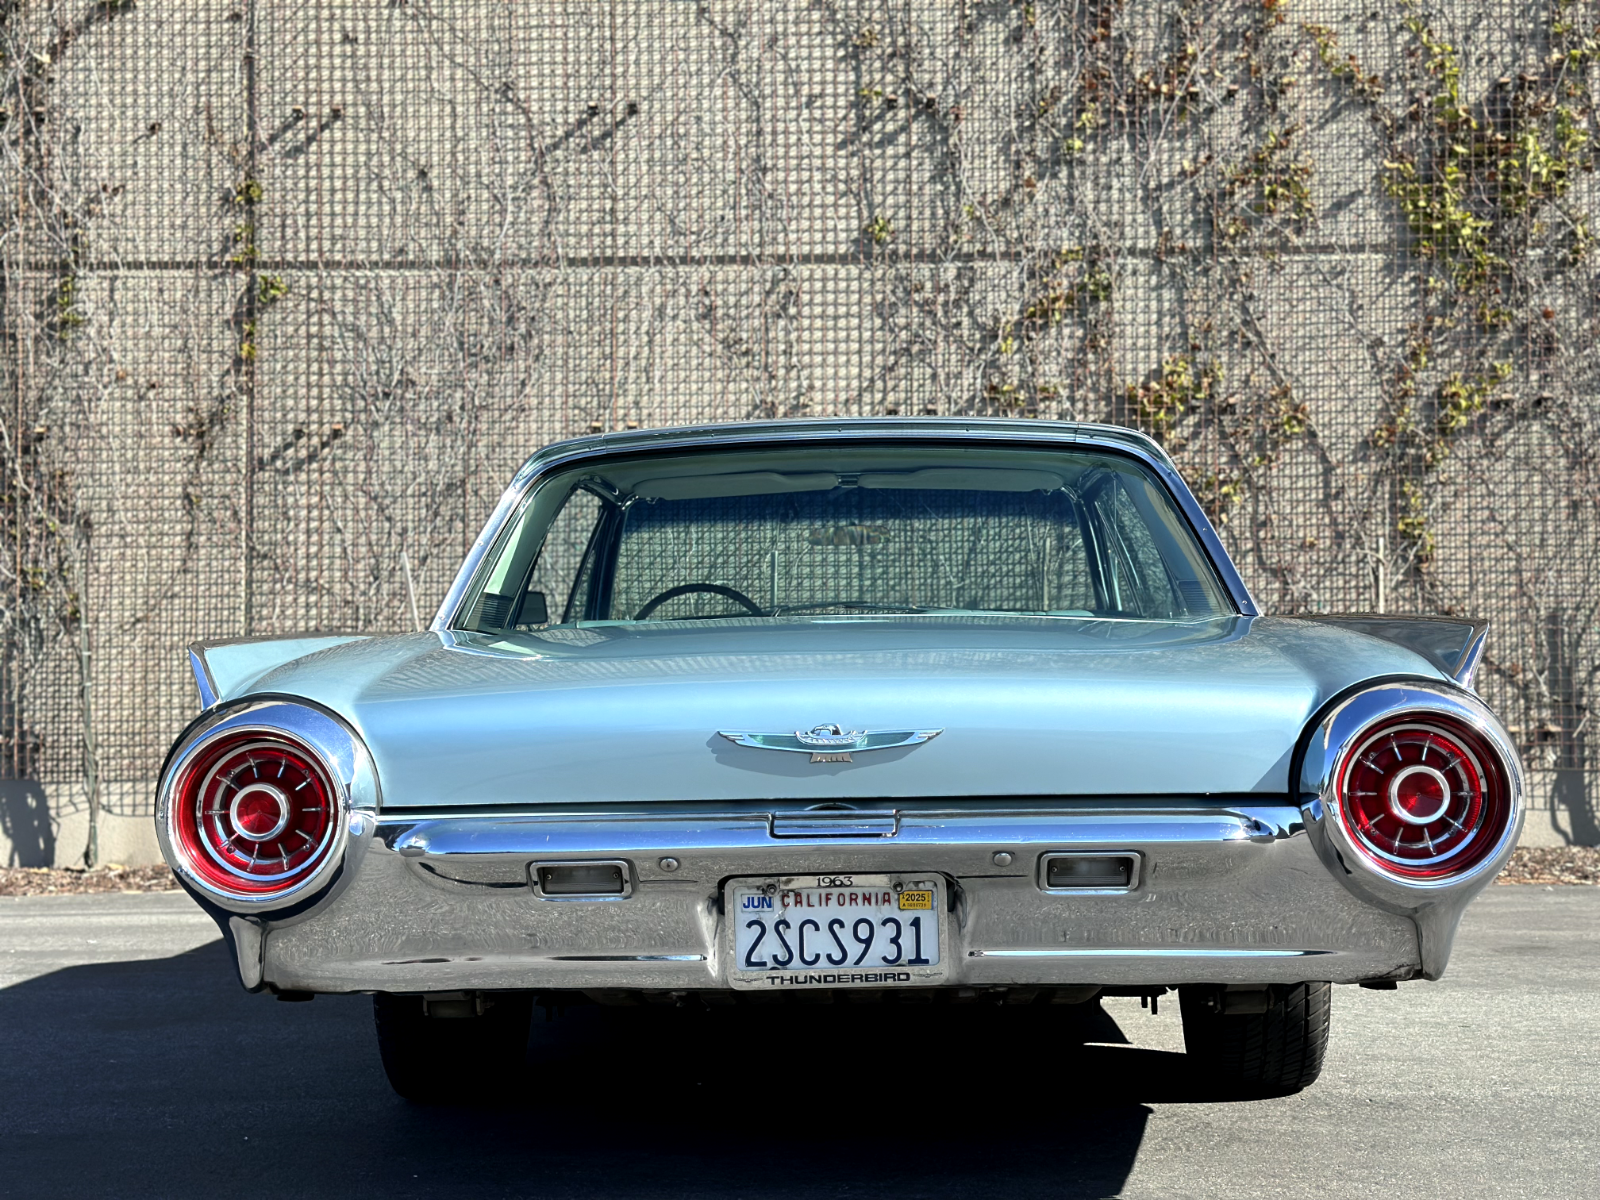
<point x="912" y="709"/>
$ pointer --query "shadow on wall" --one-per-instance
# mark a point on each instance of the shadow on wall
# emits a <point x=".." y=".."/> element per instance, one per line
<point x="26" y="834"/>
<point x="1571" y="795"/>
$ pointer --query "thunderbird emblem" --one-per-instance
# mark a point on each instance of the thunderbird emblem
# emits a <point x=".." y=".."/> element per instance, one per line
<point x="829" y="743"/>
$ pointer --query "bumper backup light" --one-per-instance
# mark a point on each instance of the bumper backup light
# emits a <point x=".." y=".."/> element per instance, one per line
<point x="581" y="880"/>
<point x="1090" y="872"/>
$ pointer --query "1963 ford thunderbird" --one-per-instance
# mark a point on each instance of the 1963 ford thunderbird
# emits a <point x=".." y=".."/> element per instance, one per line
<point x="910" y="709"/>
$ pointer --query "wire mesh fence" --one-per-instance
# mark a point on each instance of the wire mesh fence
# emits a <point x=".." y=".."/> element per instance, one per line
<point x="290" y="289"/>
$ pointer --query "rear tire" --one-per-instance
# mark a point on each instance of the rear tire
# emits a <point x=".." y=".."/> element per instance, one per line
<point x="1271" y="1053"/>
<point x="453" y="1059"/>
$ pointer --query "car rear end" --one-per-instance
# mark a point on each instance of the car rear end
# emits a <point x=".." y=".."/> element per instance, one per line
<point x="900" y="797"/>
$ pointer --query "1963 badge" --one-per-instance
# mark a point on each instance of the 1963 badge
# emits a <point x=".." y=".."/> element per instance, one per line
<point x="830" y="743"/>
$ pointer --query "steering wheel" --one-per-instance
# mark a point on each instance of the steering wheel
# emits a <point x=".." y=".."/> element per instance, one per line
<point x="684" y="589"/>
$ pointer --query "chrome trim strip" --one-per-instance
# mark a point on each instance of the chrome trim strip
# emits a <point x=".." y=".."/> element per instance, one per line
<point x="531" y="836"/>
<point x="835" y="823"/>
<point x="1114" y="438"/>
<point x="627" y="957"/>
<point x="1147" y="952"/>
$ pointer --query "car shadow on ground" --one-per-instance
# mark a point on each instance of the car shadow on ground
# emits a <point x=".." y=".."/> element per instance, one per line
<point x="162" y="1078"/>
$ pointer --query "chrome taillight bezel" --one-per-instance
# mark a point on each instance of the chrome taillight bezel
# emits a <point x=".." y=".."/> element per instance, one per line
<point x="1347" y="726"/>
<point x="337" y="753"/>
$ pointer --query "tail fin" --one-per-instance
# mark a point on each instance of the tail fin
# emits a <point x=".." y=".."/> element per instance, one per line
<point x="224" y="669"/>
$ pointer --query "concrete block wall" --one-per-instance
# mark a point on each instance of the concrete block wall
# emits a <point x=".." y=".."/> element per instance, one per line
<point x="337" y="269"/>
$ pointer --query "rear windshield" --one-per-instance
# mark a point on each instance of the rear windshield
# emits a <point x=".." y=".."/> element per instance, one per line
<point x="786" y="534"/>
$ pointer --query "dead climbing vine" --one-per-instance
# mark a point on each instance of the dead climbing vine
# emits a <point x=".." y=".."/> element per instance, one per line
<point x="1482" y="185"/>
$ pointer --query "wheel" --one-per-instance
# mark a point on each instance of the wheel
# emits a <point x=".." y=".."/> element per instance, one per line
<point x="1274" y="1052"/>
<point x="458" y="1054"/>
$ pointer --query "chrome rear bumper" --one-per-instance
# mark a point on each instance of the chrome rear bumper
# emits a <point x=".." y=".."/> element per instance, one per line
<point x="1221" y="895"/>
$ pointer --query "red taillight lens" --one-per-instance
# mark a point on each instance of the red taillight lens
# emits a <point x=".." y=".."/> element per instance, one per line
<point x="255" y="814"/>
<point x="1423" y="796"/>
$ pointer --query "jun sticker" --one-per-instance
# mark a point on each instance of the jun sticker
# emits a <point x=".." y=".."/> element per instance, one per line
<point x="916" y="900"/>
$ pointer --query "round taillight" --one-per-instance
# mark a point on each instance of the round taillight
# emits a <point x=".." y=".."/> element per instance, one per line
<point x="1423" y="796"/>
<point x="255" y="814"/>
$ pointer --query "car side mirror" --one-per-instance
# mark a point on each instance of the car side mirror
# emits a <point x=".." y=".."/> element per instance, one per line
<point x="535" y="611"/>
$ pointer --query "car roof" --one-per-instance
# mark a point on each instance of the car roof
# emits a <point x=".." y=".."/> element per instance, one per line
<point x="850" y="428"/>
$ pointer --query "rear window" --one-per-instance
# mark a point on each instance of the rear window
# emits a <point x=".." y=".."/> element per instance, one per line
<point x="785" y="534"/>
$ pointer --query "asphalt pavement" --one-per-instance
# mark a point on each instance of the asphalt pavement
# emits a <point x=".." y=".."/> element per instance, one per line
<point x="132" y="1065"/>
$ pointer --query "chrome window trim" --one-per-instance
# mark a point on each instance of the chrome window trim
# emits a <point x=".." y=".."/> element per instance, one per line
<point x="338" y="751"/>
<point x="1113" y="438"/>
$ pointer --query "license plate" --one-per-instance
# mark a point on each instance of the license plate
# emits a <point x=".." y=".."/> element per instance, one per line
<point x="836" y="931"/>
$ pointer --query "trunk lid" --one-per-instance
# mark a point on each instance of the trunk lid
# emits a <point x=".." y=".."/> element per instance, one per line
<point x="1027" y="707"/>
